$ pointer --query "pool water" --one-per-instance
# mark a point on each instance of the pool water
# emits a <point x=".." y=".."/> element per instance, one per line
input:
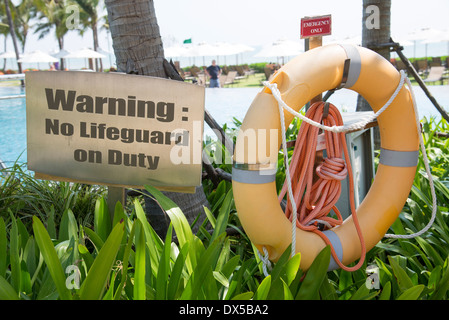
<point x="223" y="104"/>
<point x="226" y="103"/>
<point x="12" y="126"/>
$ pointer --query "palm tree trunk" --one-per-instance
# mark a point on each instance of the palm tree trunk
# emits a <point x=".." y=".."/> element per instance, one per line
<point x="371" y="35"/>
<point x="61" y="46"/>
<point x="374" y="35"/>
<point x="138" y="49"/>
<point x="136" y="38"/>
<point x="95" y="36"/>
<point x="98" y="62"/>
<point x="4" y="60"/>
<point x="13" y="35"/>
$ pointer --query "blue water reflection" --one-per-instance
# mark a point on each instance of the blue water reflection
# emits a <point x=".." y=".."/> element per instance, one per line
<point x="223" y="104"/>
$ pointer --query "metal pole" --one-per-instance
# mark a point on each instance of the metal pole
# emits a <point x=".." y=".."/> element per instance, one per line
<point x="115" y="194"/>
<point x="421" y="83"/>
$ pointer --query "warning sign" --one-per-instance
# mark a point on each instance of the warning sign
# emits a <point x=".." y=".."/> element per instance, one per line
<point x="114" y="129"/>
<point x="316" y="26"/>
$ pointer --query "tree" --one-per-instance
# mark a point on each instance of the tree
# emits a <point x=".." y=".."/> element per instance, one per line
<point x="22" y="15"/>
<point x="13" y="33"/>
<point x="138" y="49"/>
<point x="4" y="28"/>
<point x="375" y="31"/>
<point x="52" y="15"/>
<point x="89" y="18"/>
<point x="376" y="25"/>
<point x="136" y="38"/>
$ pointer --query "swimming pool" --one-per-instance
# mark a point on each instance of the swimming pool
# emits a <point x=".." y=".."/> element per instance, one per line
<point x="12" y="126"/>
<point x="223" y="104"/>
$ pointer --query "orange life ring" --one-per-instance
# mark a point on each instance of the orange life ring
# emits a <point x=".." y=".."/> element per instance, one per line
<point x="257" y="146"/>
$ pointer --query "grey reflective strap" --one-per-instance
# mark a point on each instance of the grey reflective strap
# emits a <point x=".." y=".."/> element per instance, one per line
<point x="355" y="66"/>
<point x="248" y="174"/>
<point x="336" y="244"/>
<point x="394" y="158"/>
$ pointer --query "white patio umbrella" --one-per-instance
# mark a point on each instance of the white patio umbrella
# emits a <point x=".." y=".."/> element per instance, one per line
<point x="423" y="35"/>
<point x="243" y="48"/>
<point x="106" y="53"/>
<point x="176" y="51"/>
<point x="102" y="51"/>
<point x="281" y="48"/>
<point x="180" y="50"/>
<point x="227" y="49"/>
<point x="8" y="55"/>
<point x="402" y="40"/>
<point x="205" y="49"/>
<point x="443" y="36"/>
<point x="354" y="40"/>
<point x="61" y="54"/>
<point x="85" y="54"/>
<point x="201" y="49"/>
<point x="37" y="57"/>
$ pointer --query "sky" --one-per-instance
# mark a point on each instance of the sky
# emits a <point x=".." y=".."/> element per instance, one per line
<point x="257" y="21"/>
<point x="260" y="22"/>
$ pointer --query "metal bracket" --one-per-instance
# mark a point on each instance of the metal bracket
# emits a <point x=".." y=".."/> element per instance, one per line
<point x="325" y="111"/>
<point x="344" y="80"/>
<point x="345" y="76"/>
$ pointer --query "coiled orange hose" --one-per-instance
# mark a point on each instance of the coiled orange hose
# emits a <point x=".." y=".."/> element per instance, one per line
<point x="316" y="196"/>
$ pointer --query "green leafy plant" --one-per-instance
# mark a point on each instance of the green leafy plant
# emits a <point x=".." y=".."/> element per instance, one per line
<point x="117" y="255"/>
<point x="25" y="196"/>
<point x="420" y="264"/>
<point x="123" y="258"/>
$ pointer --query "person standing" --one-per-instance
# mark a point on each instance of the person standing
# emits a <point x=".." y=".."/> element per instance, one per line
<point x="214" y="72"/>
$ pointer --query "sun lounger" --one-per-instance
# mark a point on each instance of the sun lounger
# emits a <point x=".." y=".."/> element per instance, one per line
<point x="436" y="62"/>
<point x="223" y="78"/>
<point x="400" y="65"/>
<point x="421" y="66"/>
<point x="230" y="77"/>
<point x="248" y="70"/>
<point x="202" y="79"/>
<point x="435" y="74"/>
